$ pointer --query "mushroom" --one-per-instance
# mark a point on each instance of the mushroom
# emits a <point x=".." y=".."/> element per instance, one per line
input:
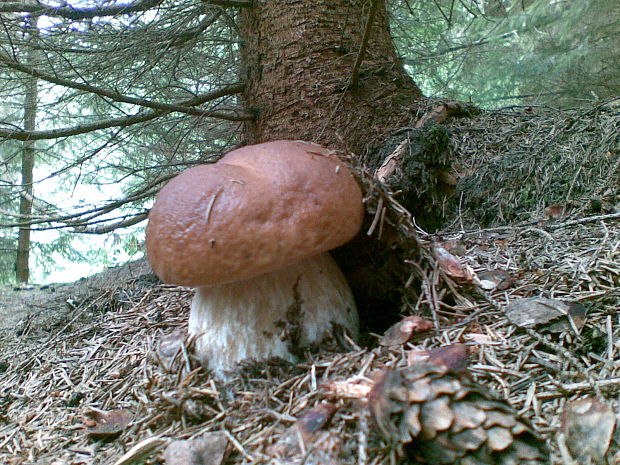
<point x="252" y="233"/>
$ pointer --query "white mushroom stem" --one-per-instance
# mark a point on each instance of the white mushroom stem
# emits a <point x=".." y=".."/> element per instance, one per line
<point x="265" y="316"/>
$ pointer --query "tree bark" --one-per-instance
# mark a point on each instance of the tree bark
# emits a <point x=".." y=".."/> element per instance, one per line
<point x="298" y="58"/>
<point x="307" y="79"/>
<point x="22" y="267"/>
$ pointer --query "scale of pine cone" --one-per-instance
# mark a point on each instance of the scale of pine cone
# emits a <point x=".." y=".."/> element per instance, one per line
<point x="435" y="415"/>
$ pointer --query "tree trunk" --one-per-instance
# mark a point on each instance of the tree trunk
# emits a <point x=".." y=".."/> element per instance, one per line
<point x="22" y="267"/>
<point x="298" y="59"/>
<point x="298" y="62"/>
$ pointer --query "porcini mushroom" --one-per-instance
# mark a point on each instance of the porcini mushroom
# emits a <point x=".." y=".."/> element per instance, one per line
<point x="251" y="232"/>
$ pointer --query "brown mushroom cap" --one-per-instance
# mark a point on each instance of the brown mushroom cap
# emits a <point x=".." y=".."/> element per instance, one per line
<point x="258" y="209"/>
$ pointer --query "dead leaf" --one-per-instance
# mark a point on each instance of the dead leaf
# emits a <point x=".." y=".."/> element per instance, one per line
<point x="454" y="246"/>
<point x="454" y="357"/>
<point x="356" y="388"/>
<point x="105" y="424"/>
<point x="208" y="449"/>
<point x="554" y="212"/>
<point x="551" y="314"/>
<point x="481" y="339"/>
<point x="588" y="425"/>
<point x="311" y="421"/>
<point x="416" y="355"/>
<point x="402" y="331"/>
<point x="496" y="279"/>
<point x="451" y="265"/>
<point x="169" y="349"/>
<point x="139" y="452"/>
<point x="305" y="433"/>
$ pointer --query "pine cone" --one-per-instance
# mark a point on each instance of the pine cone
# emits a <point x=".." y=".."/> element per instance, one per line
<point x="440" y="417"/>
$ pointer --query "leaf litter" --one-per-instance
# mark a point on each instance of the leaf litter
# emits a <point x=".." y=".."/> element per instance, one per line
<point x="128" y="357"/>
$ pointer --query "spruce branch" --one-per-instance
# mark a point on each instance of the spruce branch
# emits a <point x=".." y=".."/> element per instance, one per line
<point x="158" y="109"/>
<point x="76" y="13"/>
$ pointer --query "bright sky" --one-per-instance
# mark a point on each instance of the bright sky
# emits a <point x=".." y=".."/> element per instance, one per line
<point x="67" y="271"/>
<point x="79" y="197"/>
<point x="110" y="245"/>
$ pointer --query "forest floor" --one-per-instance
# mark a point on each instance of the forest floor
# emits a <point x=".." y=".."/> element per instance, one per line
<point x="98" y="384"/>
<point x="44" y="307"/>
